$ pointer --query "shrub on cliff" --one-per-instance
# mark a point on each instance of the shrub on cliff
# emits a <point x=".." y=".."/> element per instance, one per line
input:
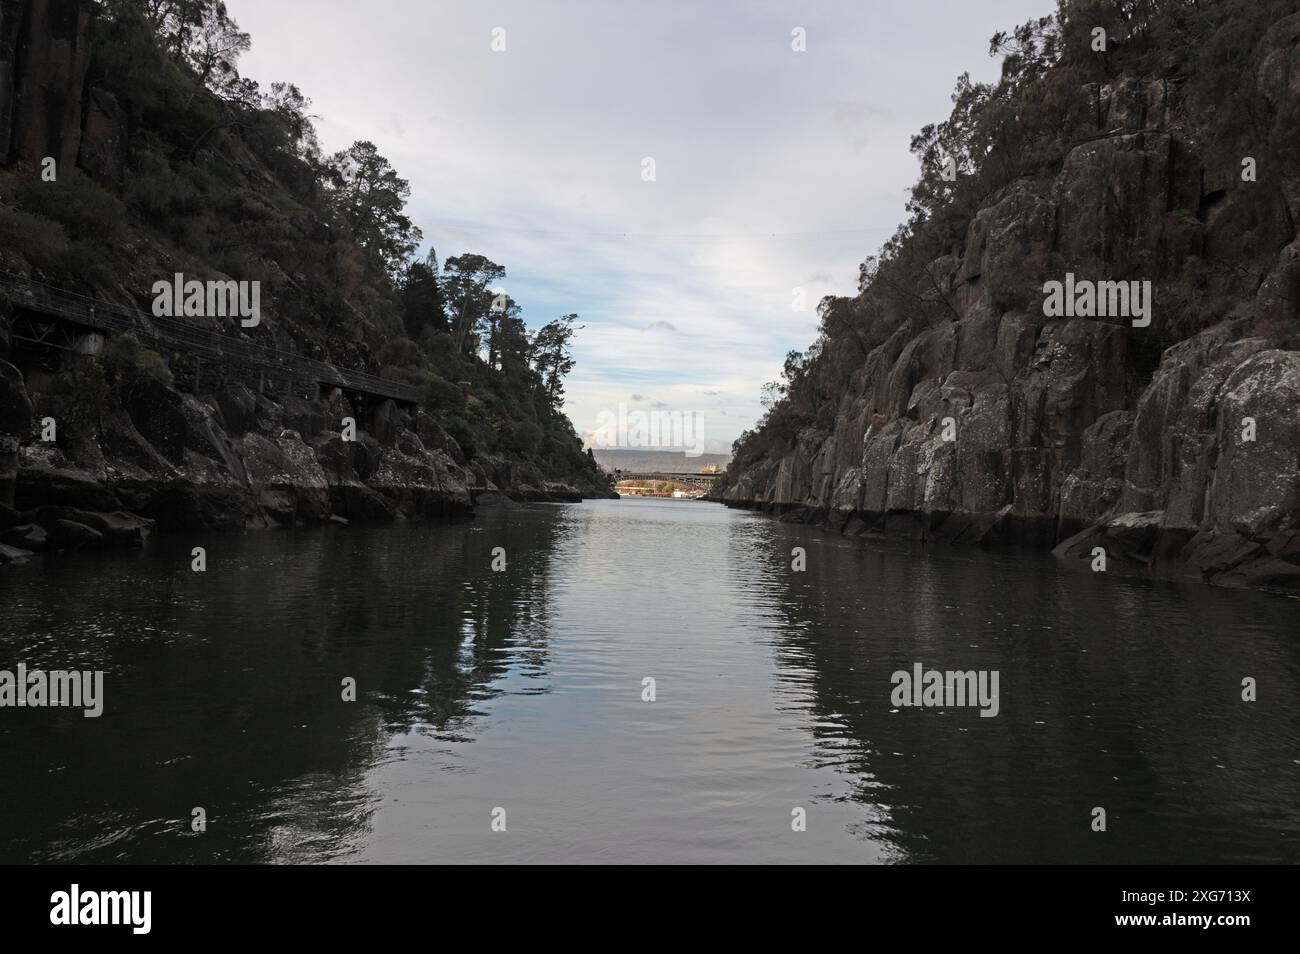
<point x="209" y="172"/>
<point x="522" y="437"/>
<point x="401" y="353"/>
<point x="76" y="400"/>
<point x="130" y="363"/>
<point x="462" y="431"/>
<point x="76" y="202"/>
<point x="43" y="243"/>
<point x="439" y="394"/>
<point x="1207" y="59"/>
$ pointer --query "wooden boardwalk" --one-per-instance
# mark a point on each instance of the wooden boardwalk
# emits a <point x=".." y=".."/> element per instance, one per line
<point x="177" y="334"/>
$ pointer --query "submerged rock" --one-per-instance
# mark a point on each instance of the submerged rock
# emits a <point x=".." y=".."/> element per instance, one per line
<point x="28" y="536"/>
<point x="11" y="554"/>
<point x="72" y="535"/>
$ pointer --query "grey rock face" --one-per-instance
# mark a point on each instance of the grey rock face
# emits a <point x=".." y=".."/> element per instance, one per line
<point x="40" y="96"/>
<point x="1188" y="461"/>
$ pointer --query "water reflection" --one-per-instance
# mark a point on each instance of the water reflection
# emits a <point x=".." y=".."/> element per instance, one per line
<point x="524" y="689"/>
<point x="224" y="689"/>
<point x="1116" y="693"/>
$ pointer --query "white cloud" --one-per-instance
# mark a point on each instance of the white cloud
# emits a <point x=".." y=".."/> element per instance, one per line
<point x="776" y="170"/>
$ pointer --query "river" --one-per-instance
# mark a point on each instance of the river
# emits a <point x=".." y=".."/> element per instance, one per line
<point x="517" y="698"/>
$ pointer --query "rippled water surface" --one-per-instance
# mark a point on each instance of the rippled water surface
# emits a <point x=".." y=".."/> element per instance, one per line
<point x="522" y="690"/>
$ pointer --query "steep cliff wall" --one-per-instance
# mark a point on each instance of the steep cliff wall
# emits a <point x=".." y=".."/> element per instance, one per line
<point x="969" y="415"/>
<point x="44" y="51"/>
<point x="158" y="169"/>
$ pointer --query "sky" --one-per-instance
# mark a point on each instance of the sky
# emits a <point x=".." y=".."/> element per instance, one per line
<point x="774" y="170"/>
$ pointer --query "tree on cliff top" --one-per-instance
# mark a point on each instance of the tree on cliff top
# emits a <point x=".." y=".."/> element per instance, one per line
<point x="202" y="35"/>
<point x="467" y="287"/>
<point x="553" y="358"/>
<point x="195" y="164"/>
<point x="370" y="197"/>
<point x="423" y="302"/>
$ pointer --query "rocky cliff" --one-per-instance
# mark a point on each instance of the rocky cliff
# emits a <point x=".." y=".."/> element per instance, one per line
<point x="128" y="154"/>
<point x="944" y="403"/>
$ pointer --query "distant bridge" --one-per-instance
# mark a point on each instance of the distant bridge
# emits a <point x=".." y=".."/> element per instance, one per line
<point x="75" y="315"/>
<point x="694" y="481"/>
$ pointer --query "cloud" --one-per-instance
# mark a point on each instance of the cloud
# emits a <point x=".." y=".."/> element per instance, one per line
<point x="772" y="165"/>
<point x="857" y="120"/>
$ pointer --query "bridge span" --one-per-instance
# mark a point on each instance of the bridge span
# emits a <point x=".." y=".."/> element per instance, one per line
<point x="700" y="483"/>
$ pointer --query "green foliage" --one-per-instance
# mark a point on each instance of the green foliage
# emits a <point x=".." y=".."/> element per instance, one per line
<point x="126" y="56"/>
<point x="287" y="107"/>
<point x="370" y="198"/>
<point x="131" y="364"/>
<point x="422" y="297"/>
<point x="522" y="436"/>
<point x="156" y="191"/>
<point x="467" y="290"/>
<point x="553" y="357"/>
<point x="402" y="353"/>
<point x="80" y="209"/>
<point x="462" y="430"/>
<point x="43" y="242"/>
<point x="94" y="263"/>
<point x="439" y="394"/>
<point x="222" y="177"/>
<point x="1207" y="52"/>
<point x="84" y="208"/>
<point x="76" y="400"/>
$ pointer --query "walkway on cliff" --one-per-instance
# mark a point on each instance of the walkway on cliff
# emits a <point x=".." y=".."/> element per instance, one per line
<point x="109" y="318"/>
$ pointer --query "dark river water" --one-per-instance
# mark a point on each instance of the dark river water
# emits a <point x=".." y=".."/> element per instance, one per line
<point x="522" y="690"/>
